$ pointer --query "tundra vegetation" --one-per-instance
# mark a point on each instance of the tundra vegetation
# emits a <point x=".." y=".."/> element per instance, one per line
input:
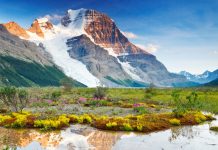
<point x="117" y="109"/>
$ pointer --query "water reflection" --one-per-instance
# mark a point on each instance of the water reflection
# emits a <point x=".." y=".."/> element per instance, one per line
<point x="186" y="132"/>
<point x="23" y="138"/>
<point x="79" y="137"/>
<point x="186" y="137"/>
<point x="75" y="137"/>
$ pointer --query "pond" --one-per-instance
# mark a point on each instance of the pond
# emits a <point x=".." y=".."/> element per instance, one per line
<point x="78" y="137"/>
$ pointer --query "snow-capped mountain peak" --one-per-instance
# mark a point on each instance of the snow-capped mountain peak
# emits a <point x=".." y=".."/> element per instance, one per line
<point x="40" y="26"/>
<point x="205" y="77"/>
<point x="74" y="19"/>
<point x="89" y="47"/>
<point x="101" y="29"/>
<point x="42" y="20"/>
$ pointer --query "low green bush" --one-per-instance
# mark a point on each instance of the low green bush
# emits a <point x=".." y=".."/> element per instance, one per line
<point x="100" y="92"/>
<point x="140" y="110"/>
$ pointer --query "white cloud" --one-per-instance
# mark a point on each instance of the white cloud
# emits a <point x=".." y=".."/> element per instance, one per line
<point x="130" y="35"/>
<point x="53" y="18"/>
<point x="151" y="48"/>
<point x="215" y="52"/>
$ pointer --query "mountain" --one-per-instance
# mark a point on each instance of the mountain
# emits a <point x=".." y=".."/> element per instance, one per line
<point x="23" y="63"/>
<point x="88" y="46"/>
<point x="212" y="83"/>
<point x="205" y="77"/>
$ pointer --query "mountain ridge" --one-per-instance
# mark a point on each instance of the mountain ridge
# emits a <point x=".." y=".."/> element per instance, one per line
<point x="23" y="63"/>
<point x="132" y="62"/>
<point x="203" y="78"/>
<point x="213" y="83"/>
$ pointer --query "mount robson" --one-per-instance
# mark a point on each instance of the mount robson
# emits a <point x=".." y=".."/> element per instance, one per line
<point x="87" y="46"/>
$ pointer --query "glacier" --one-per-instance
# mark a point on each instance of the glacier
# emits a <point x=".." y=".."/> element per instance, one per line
<point x="54" y="42"/>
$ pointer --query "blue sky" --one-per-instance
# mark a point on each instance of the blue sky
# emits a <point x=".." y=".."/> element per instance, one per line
<point x="183" y="34"/>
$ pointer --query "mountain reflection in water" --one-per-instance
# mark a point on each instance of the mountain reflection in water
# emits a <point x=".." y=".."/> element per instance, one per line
<point x="79" y="137"/>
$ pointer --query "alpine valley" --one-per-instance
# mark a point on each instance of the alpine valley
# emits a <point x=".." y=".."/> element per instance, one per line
<point x="72" y="80"/>
<point x="85" y="45"/>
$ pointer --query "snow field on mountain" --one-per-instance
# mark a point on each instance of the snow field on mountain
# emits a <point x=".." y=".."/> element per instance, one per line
<point x="55" y="43"/>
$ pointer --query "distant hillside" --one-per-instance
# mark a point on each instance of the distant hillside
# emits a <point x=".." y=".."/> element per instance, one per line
<point x="186" y="84"/>
<point x="203" y="78"/>
<point x="17" y="72"/>
<point x="23" y="63"/>
<point x="212" y="83"/>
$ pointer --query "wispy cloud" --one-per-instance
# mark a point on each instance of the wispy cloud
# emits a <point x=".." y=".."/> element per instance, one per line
<point x="53" y="18"/>
<point x="151" y="48"/>
<point x="130" y="35"/>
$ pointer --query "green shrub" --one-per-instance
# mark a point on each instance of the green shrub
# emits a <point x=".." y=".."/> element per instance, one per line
<point x="150" y="92"/>
<point x="140" y="110"/>
<point x="51" y="111"/>
<point x="100" y="92"/>
<point x="193" y="102"/>
<point x="55" y="95"/>
<point x="103" y="103"/>
<point x="179" y="109"/>
<point x="67" y="84"/>
<point x="92" y="103"/>
<point x="16" y="99"/>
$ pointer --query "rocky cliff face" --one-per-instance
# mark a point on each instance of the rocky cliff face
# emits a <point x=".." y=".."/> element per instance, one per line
<point x="23" y="63"/>
<point x="15" y="29"/>
<point x="12" y="45"/>
<point x="150" y="70"/>
<point x="96" y="59"/>
<point x="105" y="33"/>
<point x="39" y="25"/>
<point x="102" y="30"/>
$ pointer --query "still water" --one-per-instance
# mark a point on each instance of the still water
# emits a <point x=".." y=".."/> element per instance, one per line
<point x="78" y="137"/>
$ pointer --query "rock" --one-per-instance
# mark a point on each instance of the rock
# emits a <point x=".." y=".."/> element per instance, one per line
<point x="16" y="30"/>
<point x="97" y="59"/>
<point x="11" y="45"/>
<point x="39" y="25"/>
<point x="151" y="70"/>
